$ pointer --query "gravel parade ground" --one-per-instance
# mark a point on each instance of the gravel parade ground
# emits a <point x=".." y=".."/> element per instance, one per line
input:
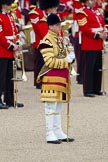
<point x="22" y="130"/>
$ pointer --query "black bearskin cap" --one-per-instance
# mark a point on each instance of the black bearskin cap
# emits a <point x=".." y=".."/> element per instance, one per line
<point x="33" y="2"/>
<point x="82" y="1"/>
<point x="7" y="2"/>
<point x="53" y="19"/>
<point x="45" y="4"/>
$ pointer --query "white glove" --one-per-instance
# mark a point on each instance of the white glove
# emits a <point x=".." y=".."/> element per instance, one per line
<point x="71" y="57"/>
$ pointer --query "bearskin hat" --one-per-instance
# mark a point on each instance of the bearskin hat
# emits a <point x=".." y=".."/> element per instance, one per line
<point x="53" y="19"/>
<point x="83" y="1"/>
<point x="45" y="4"/>
<point x="7" y="2"/>
<point x="33" y="2"/>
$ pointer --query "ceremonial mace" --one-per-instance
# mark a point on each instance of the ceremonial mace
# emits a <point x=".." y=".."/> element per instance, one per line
<point x="68" y="108"/>
<point x="69" y="48"/>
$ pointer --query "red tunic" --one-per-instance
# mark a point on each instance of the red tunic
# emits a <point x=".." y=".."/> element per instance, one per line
<point x="8" y="35"/>
<point x="39" y="24"/>
<point x="77" y="6"/>
<point x="91" y="21"/>
<point x="67" y="9"/>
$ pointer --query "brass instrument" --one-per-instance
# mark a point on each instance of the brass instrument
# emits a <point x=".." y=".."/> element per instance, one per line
<point x="20" y="59"/>
<point x="69" y="48"/>
<point x="24" y="77"/>
<point x="105" y="44"/>
<point x="66" y="25"/>
<point x="15" y="80"/>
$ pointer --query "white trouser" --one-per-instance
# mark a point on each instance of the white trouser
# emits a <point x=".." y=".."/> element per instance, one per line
<point x="57" y="122"/>
<point x="53" y="121"/>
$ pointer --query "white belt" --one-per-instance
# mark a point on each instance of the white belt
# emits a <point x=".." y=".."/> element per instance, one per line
<point x="97" y="29"/>
<point x="10" y="37"/>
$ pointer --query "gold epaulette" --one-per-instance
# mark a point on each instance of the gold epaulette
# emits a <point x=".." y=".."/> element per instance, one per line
<point x="33" y="12"/>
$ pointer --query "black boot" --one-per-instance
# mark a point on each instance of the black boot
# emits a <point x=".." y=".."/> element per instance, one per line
<point x="3" y="106"/>
<point x="55" y="142"/>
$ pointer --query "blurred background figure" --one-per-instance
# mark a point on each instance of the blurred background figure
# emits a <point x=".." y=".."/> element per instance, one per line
<point x="9" y="38"/>
<point x="92" y="25"/>
<point x="105" y="8"/>
<point x="24" y="4"/>
<point x="77" y="35"/>
<point x="39" y="10"/>
<point x="40" y="29"/>
<point x="65" y="9"/>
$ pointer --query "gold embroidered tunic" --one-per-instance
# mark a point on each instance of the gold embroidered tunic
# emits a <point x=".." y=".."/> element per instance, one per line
<point x="55" y="80"/>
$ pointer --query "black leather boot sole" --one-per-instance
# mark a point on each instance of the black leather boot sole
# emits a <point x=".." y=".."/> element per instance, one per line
<point x="67" y="140"/>
<point x="55" y="142"/>
<point x="3" y="106"/>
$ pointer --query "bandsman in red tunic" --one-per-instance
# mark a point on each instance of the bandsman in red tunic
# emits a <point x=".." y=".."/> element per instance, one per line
<point x="39" y="10"/>
<point x="8" y="38"/>
<point x="65" y="9"/>
<point x="55" y="80"/>
<point x="92" y="25"/>
<point x="48" y="7"/>
<point x="40" y="29"/>
<point x="77" y="7"/>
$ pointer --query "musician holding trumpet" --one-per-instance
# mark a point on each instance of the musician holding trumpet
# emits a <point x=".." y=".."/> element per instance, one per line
<point x="8" y="38"/>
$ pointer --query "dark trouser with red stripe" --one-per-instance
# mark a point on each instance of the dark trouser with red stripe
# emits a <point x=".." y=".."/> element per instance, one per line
<point x="92" y="75"/>
<point x="79" y="59"/>
<point x="6" y="84"/>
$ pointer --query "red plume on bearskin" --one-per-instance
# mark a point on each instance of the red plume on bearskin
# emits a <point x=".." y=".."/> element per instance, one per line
<point x="45" y="4"/>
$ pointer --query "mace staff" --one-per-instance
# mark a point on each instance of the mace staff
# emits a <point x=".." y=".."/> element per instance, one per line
<point x="68" y="106"/>
<point x="68" y="48"/>
<point x="68" y="120"/>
